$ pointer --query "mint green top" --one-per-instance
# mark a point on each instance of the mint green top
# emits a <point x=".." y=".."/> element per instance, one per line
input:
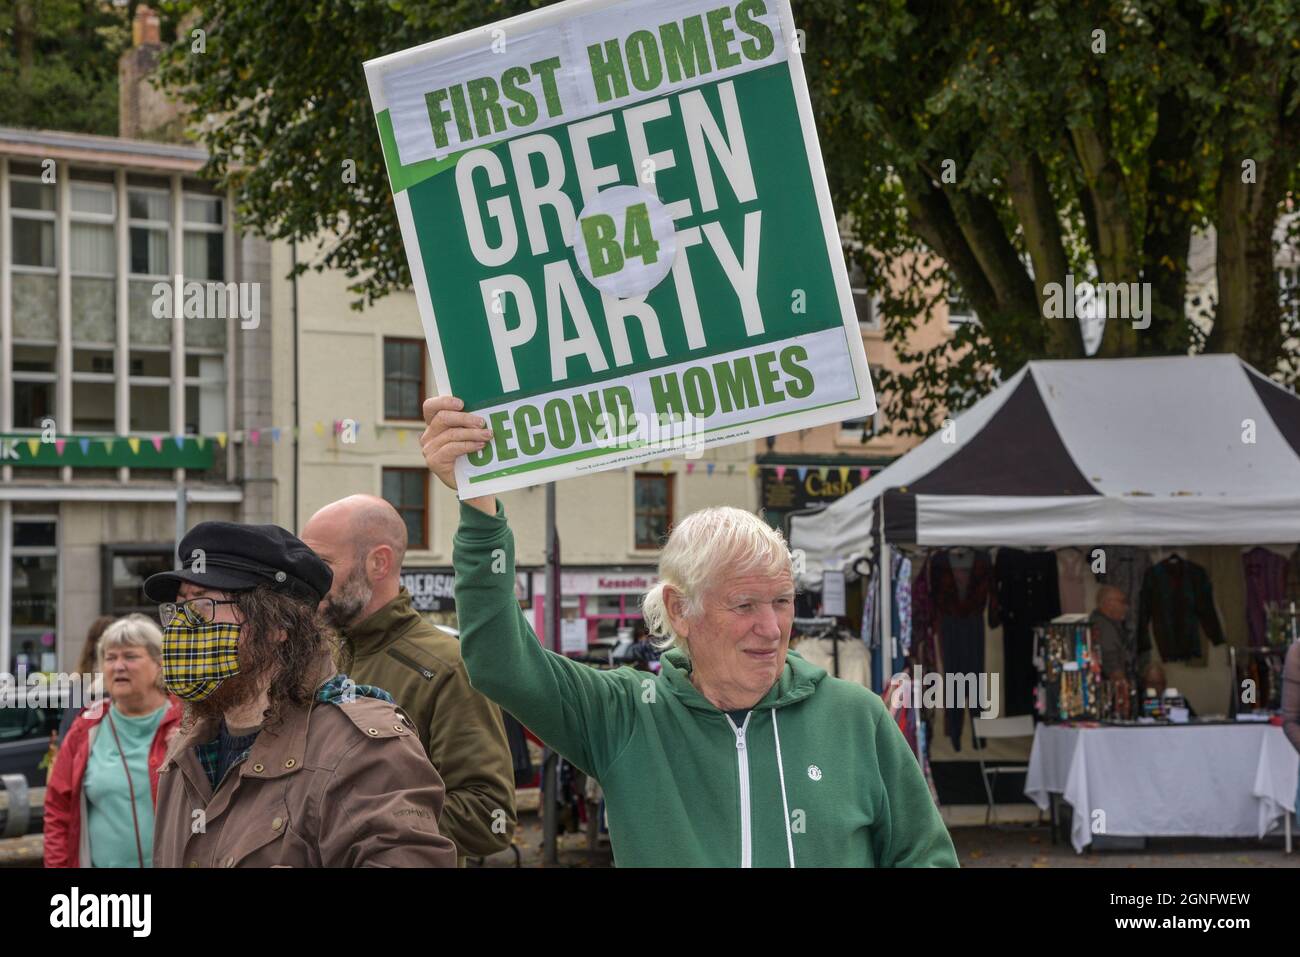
<point x="108" y="801"/>
<point x="819" y="775"/>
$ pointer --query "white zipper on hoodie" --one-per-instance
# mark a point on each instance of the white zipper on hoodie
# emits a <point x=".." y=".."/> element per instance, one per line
<point x="742" y="756"/>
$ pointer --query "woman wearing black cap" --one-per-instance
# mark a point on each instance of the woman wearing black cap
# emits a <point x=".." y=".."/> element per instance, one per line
<point x="279" y="760"/>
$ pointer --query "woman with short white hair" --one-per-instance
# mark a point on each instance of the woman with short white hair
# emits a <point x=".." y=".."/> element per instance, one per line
<point x="100" y="799"/>
<point x="739" y="752"/>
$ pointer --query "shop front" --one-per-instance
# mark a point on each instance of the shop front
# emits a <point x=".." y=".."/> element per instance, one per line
<point x="433" y="593"/>
<point x="596" y="604"/>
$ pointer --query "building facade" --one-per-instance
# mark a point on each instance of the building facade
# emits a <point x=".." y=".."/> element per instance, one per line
<point x="122" y="401"/>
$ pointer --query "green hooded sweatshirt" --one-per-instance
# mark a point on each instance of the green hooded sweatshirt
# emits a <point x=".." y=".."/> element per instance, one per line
<point x="819" y="775"/>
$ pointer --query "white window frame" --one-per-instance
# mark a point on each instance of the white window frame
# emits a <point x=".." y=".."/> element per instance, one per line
<point x="40" y="215"/>
<point x="97" y="219"/>
<point x="50" y="377"/>
<point x="190" y="226"/>
<point x="162" y="224"/>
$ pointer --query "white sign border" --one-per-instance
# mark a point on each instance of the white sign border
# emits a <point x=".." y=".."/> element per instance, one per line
<point x="554" y="16"/>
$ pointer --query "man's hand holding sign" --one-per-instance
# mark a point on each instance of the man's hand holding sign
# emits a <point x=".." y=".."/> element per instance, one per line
<point x="591" y="303"/>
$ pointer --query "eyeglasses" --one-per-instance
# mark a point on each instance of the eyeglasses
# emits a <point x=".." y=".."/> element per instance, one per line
<point x="197" y="611"/>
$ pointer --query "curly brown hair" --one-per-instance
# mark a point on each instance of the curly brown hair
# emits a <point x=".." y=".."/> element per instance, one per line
<point x="291" y="663"/>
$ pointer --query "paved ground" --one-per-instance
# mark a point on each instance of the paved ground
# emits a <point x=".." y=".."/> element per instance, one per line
<point x="983" y="847"/>
<point x="1014" y="846"/>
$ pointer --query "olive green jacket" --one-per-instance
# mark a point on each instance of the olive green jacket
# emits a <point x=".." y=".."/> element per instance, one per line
<point x="462" y="732"/>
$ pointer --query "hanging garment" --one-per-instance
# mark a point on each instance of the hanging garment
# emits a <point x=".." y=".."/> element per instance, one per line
<point x="1293" y="577"/>
<point x="1224" y="565"/>
<point x="1176" y="596"/>
<point x="1071" y="564"/>
<point x="855" y="659"/>
<point x="960" y="613"/>
<point x="924" y="648"/>
<point x="1027" y="595"/>
<point x="1125" y="568"/>
<point x="903" y="602"/>
<point x="1265" y="573"/>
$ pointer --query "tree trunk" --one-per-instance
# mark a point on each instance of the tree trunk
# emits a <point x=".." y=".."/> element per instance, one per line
<point x="25" y="37"/>
<point x="1031" y="196"/>
<point x="1248" y="319"/>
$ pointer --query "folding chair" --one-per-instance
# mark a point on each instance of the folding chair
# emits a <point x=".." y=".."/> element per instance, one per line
<point x="1021" y="726"/>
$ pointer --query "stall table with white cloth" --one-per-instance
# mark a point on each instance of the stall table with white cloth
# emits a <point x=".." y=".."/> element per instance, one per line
<point x="1231" y="779"/>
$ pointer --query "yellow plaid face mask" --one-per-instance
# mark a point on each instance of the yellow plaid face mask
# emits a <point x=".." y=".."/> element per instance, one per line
<point x="198" y="658"/>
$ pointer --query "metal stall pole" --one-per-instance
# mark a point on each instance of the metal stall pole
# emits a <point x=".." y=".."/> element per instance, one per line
<point x="181" y="502"/>
<point x="550" y="760"/>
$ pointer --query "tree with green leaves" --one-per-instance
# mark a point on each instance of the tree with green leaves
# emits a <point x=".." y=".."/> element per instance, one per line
<point x="990" y="149"/>
<point x="984" y="149"/>
<point x="58" y="63"/>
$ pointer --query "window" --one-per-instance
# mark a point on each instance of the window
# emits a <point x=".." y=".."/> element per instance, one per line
<point x="960" y="312"/>
<point x="124" y="569"/>
<point x="862" y="430"/>
<point x="34" y="577"/>
<point x="204" y="239"/>
<point x="150" y="390"/>
<point x="205" y="394"/>
<point x="150" y="232"/>
<point x="94" y="251"/>
<point x="32" y="203"/>
<point x="654" y="509"/>
<point x="407" y="490"/>
<point x="34" y="380"/>
<point x="866" y="304"/>
<point x="403" y="378"/>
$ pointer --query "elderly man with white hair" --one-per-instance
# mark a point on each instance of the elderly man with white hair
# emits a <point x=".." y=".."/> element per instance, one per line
<point x="738" y="753"/>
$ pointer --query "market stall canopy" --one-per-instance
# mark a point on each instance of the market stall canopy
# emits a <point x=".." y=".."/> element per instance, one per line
<point x="1180" y="450"/>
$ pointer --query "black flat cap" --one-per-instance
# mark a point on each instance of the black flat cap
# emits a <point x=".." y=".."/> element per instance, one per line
<point x="232" y="557"/>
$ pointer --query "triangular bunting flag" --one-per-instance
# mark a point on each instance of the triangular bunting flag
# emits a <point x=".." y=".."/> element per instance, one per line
<point x="844" y="474"/>
<point x="108" y="446"/>
<point x="753" y="471"/>
<point x="275" y="435"/>
<point x="85" y="445"/>
<point x="401" y="436"/>
<point x="157" y="443"/>
<point x="690" y="468"/>
<point x="58" y="446"/>
<point x="180" y="442"/>
<point x="780" y="473"/>
<point x="200" y="441"/>
<point x="221" y="439"/>
<point x="863" y="473"/>
<point x="319" y="428"/>
<point x="34" y="445"/>
<point x="668" y="466"/>
<point x="255" y="435"/>
<point x="821" y="473"/>
<point x="731" y="468"/>
<point x="708" y="468"/>
<point x="135" y="445"/>
<point x="803" y="472"/>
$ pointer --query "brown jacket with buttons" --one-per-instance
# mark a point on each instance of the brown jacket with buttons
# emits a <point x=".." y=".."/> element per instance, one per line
<point x="331" y="785"/>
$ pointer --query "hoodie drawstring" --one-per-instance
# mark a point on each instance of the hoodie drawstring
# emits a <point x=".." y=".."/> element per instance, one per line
<point x="785" y="804"/>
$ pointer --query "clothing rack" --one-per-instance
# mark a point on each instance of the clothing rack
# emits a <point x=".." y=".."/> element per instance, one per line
<point x="823" y="627"/>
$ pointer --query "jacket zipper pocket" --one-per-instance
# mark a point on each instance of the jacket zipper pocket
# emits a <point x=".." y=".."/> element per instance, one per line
<point x="424" y="672"/>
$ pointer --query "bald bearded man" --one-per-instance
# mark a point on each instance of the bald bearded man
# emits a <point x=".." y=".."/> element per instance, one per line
<point x="363" y="540"/>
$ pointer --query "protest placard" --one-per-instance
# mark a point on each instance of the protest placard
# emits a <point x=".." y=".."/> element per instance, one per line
<point x="620" y="234"/>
